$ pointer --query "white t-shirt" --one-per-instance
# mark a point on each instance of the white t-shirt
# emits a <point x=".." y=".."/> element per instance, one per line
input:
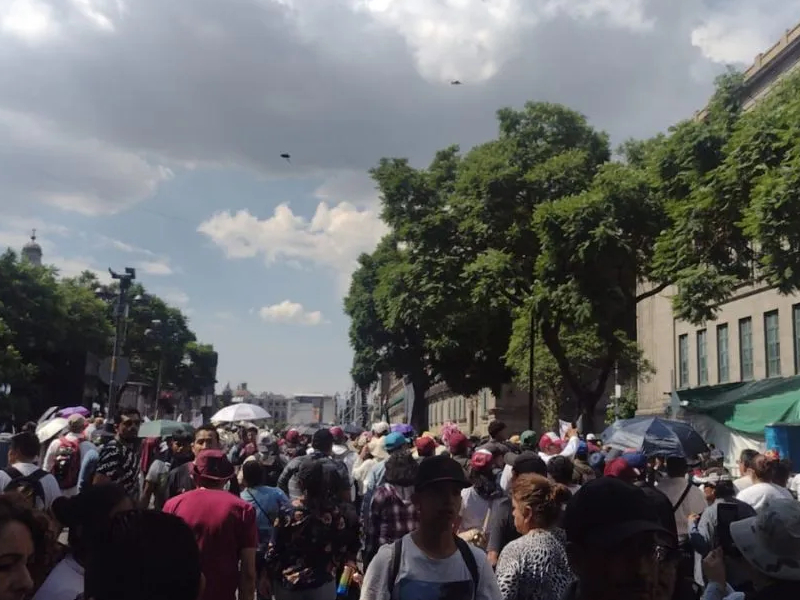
<point x="474" y="509"/>
<point x="49" y="483"/>
<point x="694" y="502"/>
<point x="65" y="582"/>
<point x="743" y="483"/>
<point x="505" y="478"/>
<point x="760" y="493"/>
<point x="423" y="578"/>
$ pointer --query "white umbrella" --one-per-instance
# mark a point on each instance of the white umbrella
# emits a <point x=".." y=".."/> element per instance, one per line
<point x="240" y="412"/>
<point x="51" y="428"/>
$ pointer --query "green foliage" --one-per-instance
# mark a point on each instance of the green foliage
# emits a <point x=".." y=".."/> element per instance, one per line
<point x="540" y="222"/>
<point x="624" y="408"/>
<point x="48" y="325"/>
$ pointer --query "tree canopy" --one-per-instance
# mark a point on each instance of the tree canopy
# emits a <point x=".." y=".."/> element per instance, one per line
<point x="48" y="326"/>
<point x="542" y="226"/>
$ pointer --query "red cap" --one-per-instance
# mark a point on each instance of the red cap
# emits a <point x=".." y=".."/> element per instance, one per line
<point x="425" y="446"/>
<point x="545" y="442"/>
<point x="457" y="441"/>
<point x="620" y="469"/>
<point x="292" y="436"/>
<point x="213" y="464"/>
<point x="481" y="460"/>
<point x="337" y="433"/>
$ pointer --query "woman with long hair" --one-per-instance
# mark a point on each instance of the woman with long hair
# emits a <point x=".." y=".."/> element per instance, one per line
<point x="535" y="566"/>
<point x="314" y="536"/>
<point x="85" y="515"/>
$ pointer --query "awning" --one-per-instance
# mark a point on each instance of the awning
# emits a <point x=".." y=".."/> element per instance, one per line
<point x="748" y="406"/>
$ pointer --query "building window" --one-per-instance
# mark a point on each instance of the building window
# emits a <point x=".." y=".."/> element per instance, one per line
<point x="746" y="349"/>
<point x="772" y="344"/>
<point x="723" y="362"/>
<point x="683" y="361"/>
<point x="702" y="357"/>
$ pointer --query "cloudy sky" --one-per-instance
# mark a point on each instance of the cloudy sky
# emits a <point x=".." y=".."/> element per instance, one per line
<point x="148" y="133"/>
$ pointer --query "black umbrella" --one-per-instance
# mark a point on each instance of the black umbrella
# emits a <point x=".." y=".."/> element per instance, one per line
<point x="654" y="435"/>
<point x="353" y="429"/>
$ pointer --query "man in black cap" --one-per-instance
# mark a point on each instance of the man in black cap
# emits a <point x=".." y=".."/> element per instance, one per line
<point x="501" y="522"/>
<point x="431" y="562"/>
<point x="616" y="545"/>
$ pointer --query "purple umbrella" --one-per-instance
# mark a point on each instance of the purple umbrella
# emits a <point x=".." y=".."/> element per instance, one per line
<point x="403" y="428"/>
<point x="74" y="410"/>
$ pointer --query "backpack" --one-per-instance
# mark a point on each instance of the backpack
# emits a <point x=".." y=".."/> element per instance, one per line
<point x="463" y="548"/>
<point x="67" y="463"/>
<point x="29" y="487"/>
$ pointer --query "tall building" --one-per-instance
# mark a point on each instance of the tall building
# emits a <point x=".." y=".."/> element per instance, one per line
<point x="756" y="333"/>
<point x="32" y="251"/>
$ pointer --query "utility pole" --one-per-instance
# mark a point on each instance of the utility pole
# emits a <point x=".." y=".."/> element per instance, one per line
<point x="120" y="315"/>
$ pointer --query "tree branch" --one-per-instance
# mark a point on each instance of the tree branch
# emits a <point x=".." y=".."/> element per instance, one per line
<point x="553" y="343"/>
<point x="649" y="293"/>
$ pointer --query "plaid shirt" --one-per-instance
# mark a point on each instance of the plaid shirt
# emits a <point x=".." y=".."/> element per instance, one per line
<point x="391" y="516"/>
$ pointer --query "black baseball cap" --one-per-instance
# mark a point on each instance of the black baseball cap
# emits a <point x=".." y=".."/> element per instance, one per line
<point x="605" y="512"/>
<point x="437" y="469"/>
<point x="526" y="462"/>
<point x="322" y="438"/>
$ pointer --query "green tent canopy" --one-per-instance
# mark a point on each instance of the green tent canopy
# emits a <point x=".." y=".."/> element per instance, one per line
<point x="747" y="406"/>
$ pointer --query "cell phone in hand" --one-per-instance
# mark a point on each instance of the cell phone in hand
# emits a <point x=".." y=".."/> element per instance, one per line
<point x="727" y="513"/>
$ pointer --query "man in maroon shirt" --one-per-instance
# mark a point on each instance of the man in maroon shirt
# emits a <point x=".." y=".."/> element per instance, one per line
<point x="225" y="527"/>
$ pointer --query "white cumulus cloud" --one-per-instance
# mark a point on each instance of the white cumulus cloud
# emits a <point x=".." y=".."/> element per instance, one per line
<point x="290" y="312"/>
<point x="155" y="267"/>
<point x="333" y="238"/>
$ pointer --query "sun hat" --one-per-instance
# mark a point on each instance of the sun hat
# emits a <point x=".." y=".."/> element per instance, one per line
<point x="770" y="541"/>
<point x="380" y="428"/>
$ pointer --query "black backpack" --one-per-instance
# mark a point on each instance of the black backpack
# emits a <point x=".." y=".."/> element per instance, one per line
<point x="28" y="486"/>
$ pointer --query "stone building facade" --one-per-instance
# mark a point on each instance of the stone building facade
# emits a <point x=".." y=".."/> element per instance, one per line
<point x="756" y="333"/>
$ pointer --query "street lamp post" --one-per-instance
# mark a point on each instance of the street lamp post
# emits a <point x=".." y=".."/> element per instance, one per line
<point x="120" y="315"/>
<point x="163" y="332"/>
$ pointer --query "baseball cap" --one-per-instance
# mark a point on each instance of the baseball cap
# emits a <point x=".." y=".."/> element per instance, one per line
<point x="527" y="462"/>
<point x="597" y="460"/>
<point x="213" y="464"/>
<point x="292" y="436"/>
<point x="425" y="445"/>
<point x="380" y="427"/>
<point x="591" y="438"/>
<point x="482" y="459"/>
<point x="438" y="469"/>
<point x="457" y="441"/>
<point x="606" y="511"/>
<point x="394" y="440"/>
<point x="637" y="460"/>
<point x="338" y="434"/>
<point x="527" y="438"/>
<point x="322" y="438"/>
<point x="547" y="440"/>
<point x="619" y="468"/>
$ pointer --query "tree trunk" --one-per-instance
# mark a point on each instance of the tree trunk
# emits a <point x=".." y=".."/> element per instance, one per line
<point x="419" y="413"/>
<point x="587" y="407"/>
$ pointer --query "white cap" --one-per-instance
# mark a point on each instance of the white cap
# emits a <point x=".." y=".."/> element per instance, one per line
<point x="591" y="437"/>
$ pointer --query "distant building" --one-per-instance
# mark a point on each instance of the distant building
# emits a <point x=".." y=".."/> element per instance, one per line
<point x="277" y="405"/>
<point x="312" y="408"/>
<point x="32" y="251"/>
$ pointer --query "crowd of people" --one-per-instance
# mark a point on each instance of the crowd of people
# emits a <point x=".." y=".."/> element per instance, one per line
<point x="98" y="513"/>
